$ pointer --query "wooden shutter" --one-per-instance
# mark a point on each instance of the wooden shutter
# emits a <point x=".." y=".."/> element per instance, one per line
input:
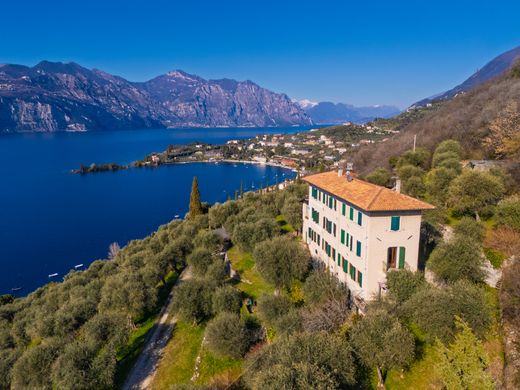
<point x="402" y="255"/>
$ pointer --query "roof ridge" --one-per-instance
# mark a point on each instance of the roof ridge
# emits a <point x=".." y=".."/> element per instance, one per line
<point x="375" y="197"/>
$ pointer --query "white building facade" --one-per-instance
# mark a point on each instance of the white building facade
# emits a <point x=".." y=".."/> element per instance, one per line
<point x="360" y="231"/>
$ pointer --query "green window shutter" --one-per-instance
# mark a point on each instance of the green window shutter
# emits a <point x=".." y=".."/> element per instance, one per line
<point x="360" y="279"/>
<point x="358" y="248"/>
<point x="351" y="241"/>
<point x="342" y="236"/>
<point x="347" y="239"/>
<point x="395" y="224"/>
<point x="359" y="218"/>
<point x="352" y="272"/>
<point x="345" y="265"/>
<point x="351" y="214"/>
<point x="343" y="209"/>
<point x="402" y="255"/>
<point x="335" y="204"/>
<point x="310" y="232"/>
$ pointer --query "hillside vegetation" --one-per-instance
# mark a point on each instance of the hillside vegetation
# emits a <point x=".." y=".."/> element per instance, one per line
<point x="486" y="121"/>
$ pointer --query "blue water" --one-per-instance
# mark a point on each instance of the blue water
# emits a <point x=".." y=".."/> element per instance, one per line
<point x="51" y="220"/>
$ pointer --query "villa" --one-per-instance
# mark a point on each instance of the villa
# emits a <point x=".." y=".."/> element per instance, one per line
<point x="360" y="231"/>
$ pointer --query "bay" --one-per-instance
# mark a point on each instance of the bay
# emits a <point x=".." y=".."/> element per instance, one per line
<point x="52" y="220"/>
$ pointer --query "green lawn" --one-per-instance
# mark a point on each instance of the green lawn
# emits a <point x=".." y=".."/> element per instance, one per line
<point x="251" y="282"/>
<point x="420" y="374"/>
<point x="284" y="225"/>
<point x="178" y="360"/>
<point x="214" y="369"/>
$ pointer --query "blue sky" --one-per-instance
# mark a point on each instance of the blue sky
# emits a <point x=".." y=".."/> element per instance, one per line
<point x="359" y="52"/>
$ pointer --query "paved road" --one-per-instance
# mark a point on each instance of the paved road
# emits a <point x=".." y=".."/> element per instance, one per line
<point x="143" y="371"/>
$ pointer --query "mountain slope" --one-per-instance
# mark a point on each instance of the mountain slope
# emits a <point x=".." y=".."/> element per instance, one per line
<point x="478" y="119"/>
<point x="335" y="113"/>
<point x="492" y="69"/>
<point x="57" y="96"/>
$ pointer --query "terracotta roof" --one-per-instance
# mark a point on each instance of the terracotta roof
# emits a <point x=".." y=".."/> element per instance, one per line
<point x="366" y="196"/>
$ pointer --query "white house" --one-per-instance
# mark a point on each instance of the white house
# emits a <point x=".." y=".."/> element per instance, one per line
<point x="360" y="231"/>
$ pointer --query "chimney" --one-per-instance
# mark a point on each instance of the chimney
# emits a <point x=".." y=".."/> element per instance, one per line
<point x="349" y="172"/>
<point x="340" y="172"/>
<point x="397" y="187"/>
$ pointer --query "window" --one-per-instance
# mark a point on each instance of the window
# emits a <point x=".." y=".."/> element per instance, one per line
<point x="310" y="232"/>
<point x="319" y="239"/>
<point x="344" y="209"/>
<point x="345" y="265"/>
<point x="359" y="218"/>
<point x="342" y="236"/>
<point x="335" y="204"/>
<point x="351" y="214"/>
<point x="358" y="248"/>
<point x="339" y="259"/>
<point x="351" y="240"/>
<point x="391" y="257"/>
<point x="352" y="272"/>
<point x="334" y="229"/>
<point x="314" y="192"/>
<point x="360" y="279"/>
<point x="402" y="255"/>
<point x="395" y="224"/>
<point x="347" y="240"/>
<point x="333" y="253"/>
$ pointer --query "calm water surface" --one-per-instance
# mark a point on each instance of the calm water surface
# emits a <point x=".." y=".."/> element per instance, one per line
<point x="51" y="220"/>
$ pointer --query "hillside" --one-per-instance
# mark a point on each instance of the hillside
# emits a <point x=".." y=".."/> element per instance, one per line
<point x="483" y="120"/>
<point x="66" y="96"/>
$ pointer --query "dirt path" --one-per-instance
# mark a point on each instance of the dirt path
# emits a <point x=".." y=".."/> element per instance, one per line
<point x="144" y="369"/>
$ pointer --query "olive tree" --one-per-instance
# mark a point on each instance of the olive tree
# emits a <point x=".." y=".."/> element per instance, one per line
<point x="227" y="335"/>
<point x="381" y="342"/>
<point x="303" y="361"/>
<point x="281" y="260"/>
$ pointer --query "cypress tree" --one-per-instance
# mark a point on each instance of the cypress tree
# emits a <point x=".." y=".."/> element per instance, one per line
<point x="195" y="205"/>
<point x="241" y="189"/>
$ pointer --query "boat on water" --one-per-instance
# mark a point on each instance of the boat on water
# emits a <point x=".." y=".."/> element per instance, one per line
<point x="78" y="266"/>
<point x="53" y="275"/>
<point x="16" y="289"/>
<point x="177" y="216"/>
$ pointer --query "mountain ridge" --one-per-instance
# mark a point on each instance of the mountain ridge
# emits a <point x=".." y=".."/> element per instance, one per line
<point x="55" y="96"/>
<point x="337" y="113"/>
<point x="494" y="68"/>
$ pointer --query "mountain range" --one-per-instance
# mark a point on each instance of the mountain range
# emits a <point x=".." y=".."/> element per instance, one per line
<point x="53" y="96"/>
<point x="335" y="113"/>
<point x="492" y="69"/>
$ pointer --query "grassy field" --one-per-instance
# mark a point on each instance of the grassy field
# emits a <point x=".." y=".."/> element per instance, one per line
<point x="215" y="369"/>
<point x="251" y="282"/>
<point x="178" y="361"/>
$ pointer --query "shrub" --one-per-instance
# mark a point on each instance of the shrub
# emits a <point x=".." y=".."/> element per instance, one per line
<point x="508" y="212"/>
<point x="199" y="260"/>
<point x="470" y="229"/>
<point x="303" y="361"/>
<point x="449" y="146"/>
<point x="226" y="299"/>
<point x="272" y="307"/>
<point x="281" y="260"/>
<point x="403" y="284"/>
<point x="381" y="177"/>
<point x="473" y="192"/>
<point x="192" y="300"/>
<point x="459" y="258"/>
<point x="207" y="239"/>
<point x="434" y="309"/>
<point x="381" y="342"/>
<point x="504" y="239"/>
<point x="322" y="285"/>
<point x="227" y="335"/>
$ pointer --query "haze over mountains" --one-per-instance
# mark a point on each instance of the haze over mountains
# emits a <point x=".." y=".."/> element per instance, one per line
<point x="54" y="96"/>
<point x="335" y="113"/>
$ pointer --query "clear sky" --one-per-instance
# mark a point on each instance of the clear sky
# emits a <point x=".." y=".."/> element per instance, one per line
<point x="359" y="52"/>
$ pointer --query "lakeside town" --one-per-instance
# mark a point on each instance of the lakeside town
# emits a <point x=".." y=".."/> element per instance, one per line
<point x="308" y="151"/>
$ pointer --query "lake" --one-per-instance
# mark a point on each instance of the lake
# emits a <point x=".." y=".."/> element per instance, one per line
<point x="52" y="220"/>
